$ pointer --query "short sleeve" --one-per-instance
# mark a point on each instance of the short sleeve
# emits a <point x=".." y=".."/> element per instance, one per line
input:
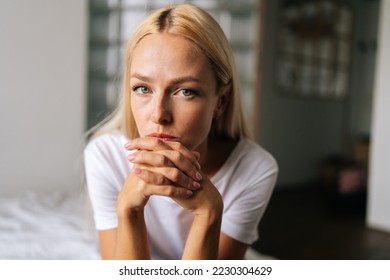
<point x="106" y="169"/>
<point x="250" y="188"/>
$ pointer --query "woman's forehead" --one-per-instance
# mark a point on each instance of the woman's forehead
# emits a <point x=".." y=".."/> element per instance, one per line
<point x="160" y="45"/>
<point x="169" y="54"/>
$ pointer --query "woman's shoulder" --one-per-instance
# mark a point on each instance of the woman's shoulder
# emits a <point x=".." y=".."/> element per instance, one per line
<point x="253" y="152"/>
<point x="249" y="167"/>
<point x="110" y="139"/>
<point x="251" y="160"/>
<point x="108" y="143"/>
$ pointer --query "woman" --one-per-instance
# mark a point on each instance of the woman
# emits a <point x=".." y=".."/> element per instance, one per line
<point x="173" y="174"/>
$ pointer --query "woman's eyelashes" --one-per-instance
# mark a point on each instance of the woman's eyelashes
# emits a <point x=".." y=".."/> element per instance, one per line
<point x="186" y="92"/>
<point x="141" y="90"/>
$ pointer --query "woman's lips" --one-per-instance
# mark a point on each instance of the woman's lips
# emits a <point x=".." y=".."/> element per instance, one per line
<point x="163" y="136"/>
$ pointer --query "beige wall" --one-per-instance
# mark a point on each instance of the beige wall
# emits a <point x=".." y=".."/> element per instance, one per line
<point x="42" y="93"/>
<point x="379" y="181"/>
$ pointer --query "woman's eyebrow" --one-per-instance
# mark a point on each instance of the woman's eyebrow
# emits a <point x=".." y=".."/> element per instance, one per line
<point x="141" y="77"/>
<point x="184" y="79"/>
<point x="174" y="81"/>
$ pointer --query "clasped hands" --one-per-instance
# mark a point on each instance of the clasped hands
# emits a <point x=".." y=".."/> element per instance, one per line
<point x="167" y="168"/>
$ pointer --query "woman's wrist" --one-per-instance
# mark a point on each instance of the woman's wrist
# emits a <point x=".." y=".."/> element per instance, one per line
<point x="212" y="215"/>
<point x="126" y="213"/>
<point x="203" y="239"/>
<point x="132" y="242"/>
<point x="128" y="202"/>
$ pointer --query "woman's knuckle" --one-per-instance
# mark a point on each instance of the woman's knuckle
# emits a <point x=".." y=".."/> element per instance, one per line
<point x="179" y="145"/>
<point x="175" y="174"/>
<point x="167" y="162"/>
<point x="160" y="180"/>
<point x="170" y="191"/>
<point x="176" y="155"/>
<point x="160" y="160"/>
<point x="154" y="141"/>
<point x="140" y="156"/>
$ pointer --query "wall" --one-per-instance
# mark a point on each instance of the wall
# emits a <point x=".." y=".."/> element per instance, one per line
<point x="364" y="53"/>
<point x="42" y="93"/>
<point x="297" y="131"/>
<point x="300" y="132"/>
<point x="379" y="181"/>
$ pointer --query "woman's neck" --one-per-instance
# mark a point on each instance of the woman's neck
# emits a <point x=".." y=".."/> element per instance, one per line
<point x="214" y="152"/>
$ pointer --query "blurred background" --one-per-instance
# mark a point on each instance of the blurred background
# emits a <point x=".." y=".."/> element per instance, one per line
<point x="315" y="90"/>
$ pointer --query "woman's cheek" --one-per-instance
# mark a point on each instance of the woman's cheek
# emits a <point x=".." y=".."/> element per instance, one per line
<point x="197" y="131"/>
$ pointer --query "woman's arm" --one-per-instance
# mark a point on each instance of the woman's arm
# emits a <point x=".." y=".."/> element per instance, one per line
<point x="203" y="239"/>
<point x="156" y="167"/>
<point x="206" y="241"/>
<point x="108" y="243"/>
<point x="129" y="239"/>
<point x="178" y="167"/>
<point x="231" y="249"/>
<point x="132" y="242"/>
<point x="131" y="235"/>
<point x="207" y="206"/>
<point x="107" y="240"/>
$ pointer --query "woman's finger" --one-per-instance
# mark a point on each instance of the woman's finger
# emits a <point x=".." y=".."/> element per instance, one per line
<point x="202" y="201"/>
<point x="166" y="158"/>
<point x="160" y="189"/>
<point x="155" y="144"/>
<point x="165" y="176"/>
<point x="147" y="143"/>
<point x="192" y="156"/>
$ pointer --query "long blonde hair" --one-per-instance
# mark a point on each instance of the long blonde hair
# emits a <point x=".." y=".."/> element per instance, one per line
<point x="196" y="25"/>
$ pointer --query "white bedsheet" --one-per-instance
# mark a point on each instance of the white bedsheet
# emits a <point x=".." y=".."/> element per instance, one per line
<point x="53" y="226"/>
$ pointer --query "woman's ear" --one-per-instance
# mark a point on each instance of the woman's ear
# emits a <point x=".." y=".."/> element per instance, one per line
<point x="223" y="100"/>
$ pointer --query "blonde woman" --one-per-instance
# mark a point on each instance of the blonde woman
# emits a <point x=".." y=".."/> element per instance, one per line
<point x="173" y="173"/>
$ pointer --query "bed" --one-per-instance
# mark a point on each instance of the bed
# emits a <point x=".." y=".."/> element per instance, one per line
<point x="56" y="226"/>
<point x="45" y="227"/>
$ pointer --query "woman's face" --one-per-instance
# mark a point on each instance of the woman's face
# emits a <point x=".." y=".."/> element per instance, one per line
<point x="173" y="90"/>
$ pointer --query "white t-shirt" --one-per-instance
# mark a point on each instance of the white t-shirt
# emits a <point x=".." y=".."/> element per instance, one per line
<point x="245" y="181"/>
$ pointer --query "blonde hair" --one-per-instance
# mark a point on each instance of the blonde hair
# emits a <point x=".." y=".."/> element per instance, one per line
<point x="199" y="27"/>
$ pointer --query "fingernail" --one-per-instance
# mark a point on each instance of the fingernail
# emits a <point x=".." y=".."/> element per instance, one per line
<point x="195" y="185"/>
<point x="197" y="155"/>
<point x="189" y="194"/>
<point x="137" y="171"/>
<point x="131" y="157"/>
<point x="198" y="176"/>
<point x="127" y="145"/>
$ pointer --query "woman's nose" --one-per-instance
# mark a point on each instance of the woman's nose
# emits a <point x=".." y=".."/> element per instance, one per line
<point x="161" y="112"/>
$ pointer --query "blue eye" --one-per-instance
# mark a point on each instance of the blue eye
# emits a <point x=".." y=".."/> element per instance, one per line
<point x="141" y="89"/>
<point x="187" y="92"/>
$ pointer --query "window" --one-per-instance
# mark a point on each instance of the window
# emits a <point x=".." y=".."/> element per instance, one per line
<point x="314" y="49"/>
<point x="113" y="21"/>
